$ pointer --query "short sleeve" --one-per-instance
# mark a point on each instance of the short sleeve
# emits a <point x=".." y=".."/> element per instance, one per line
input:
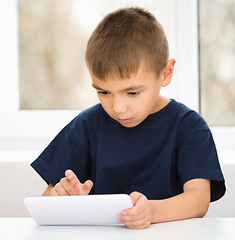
<point x="68" y="150"/>
<point x="197" y="158"/>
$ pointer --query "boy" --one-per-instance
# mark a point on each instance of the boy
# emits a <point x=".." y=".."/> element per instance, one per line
<point x="136" y="141"/>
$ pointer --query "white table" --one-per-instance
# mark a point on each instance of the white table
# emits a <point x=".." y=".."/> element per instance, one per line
<point x="193" y="229"/>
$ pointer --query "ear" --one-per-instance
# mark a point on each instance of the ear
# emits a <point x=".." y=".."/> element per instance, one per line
<point x="167" y="73"/>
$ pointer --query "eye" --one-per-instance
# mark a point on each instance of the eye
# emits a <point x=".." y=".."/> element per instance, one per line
<point x="103" y="92"/>
<point x="133" y="93"/>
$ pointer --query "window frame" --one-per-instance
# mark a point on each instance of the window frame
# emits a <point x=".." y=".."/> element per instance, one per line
<point x="33" y="129"/>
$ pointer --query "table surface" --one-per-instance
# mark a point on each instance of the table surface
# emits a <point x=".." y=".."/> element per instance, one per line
<point x="192" y="229"/>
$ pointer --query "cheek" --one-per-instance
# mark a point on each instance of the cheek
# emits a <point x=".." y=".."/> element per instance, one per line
<point x="142" y="108"/>
<point x="148" y="100"/>
<point x="147" y="104"/>
<point x="105" y="104"/>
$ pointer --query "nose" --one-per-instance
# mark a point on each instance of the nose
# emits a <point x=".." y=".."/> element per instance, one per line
<point x="119" y="106"/>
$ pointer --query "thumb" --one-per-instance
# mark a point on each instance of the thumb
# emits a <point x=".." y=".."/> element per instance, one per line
<point x="135" y="196"/>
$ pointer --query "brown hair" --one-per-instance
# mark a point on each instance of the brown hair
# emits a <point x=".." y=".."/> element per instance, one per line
<point x="122" y="40"/>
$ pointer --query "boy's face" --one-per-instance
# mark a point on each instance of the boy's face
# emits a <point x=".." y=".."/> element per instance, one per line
<point x="130" y="101"/>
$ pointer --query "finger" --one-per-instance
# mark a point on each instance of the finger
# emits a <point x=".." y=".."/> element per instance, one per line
<point x="60" y="190"/>
<point x="142" y="223"/>
<point x="81" y="189"/>
<point x="87" y="186"/>
<point x="135" y="222"/>
<point x="134" y="225"/>
<point x="68" y="186"/>
<point x="140" y="203"/>
<point x="53" y="192"/>
<point x="138" y="226"/>
<point x="135" y="196"/>
<point x="72" y="177"/>
<point x="136" y="213"/>
<point x="137" y="210"/>
<point x="131" y="218"/>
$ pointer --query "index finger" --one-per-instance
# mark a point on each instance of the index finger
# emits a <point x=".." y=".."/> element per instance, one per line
<point x="71" y="176"/>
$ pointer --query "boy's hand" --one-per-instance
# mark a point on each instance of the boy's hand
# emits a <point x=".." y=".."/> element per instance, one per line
<point x="140" y="215"/>
<point x="70" y="185"/>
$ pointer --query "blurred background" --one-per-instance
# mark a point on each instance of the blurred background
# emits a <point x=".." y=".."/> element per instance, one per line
<point x="217" y="61"/>
<point x="52" y="41"/>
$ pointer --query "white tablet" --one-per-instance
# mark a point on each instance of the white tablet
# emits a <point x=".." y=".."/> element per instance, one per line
<point x="77" y="210"/>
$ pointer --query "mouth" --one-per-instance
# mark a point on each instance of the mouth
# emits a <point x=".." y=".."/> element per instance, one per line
<point x="125" y="120"/>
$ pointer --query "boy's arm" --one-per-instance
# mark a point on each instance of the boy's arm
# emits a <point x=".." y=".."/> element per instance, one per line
<point x="193" y="202"/>
<point x="69" y="185"/>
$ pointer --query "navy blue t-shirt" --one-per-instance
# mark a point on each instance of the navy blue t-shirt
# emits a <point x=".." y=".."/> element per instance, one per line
<point x="156" y="158"/>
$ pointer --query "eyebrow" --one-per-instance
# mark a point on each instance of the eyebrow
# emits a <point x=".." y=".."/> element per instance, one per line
<point x="131" y="88"/>
<point x="97" y="87"/>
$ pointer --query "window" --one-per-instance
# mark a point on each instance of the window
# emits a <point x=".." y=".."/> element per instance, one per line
<point x="217" y="60"/>
<point x="52" y="42"/>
